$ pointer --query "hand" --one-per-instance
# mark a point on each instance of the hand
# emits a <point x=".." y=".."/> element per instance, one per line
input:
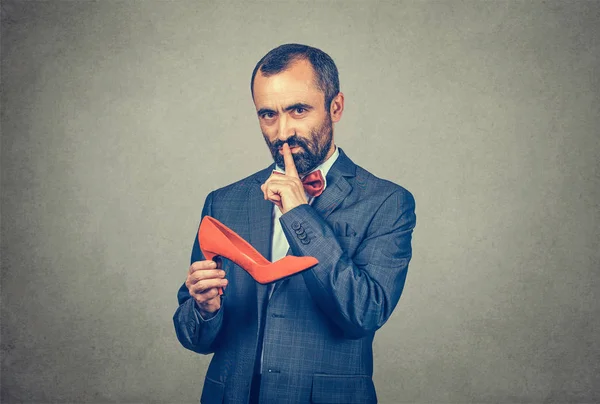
<point x="285" y="191"/>
<point x="203" y="280"/>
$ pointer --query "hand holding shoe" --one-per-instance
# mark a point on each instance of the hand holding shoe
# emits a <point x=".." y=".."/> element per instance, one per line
<point x="203" y="282"/>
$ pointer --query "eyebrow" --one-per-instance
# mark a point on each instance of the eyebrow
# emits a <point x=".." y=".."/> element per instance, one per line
<point x="286" y="109"/>
<point x="297" y="105"/>
<point x="264" y="111"/>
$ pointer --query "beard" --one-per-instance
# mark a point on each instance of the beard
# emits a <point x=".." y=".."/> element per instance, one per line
<point x="314" y="148"/>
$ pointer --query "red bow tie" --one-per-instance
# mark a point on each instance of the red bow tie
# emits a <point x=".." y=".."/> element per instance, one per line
<point x="314" y="184"/>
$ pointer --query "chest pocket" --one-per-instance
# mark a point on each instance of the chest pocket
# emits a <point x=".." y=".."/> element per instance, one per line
<point x="346" y="236"/>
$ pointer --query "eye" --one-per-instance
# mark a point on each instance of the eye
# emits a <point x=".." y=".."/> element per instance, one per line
<point x="267" y="115"/>
<point x="300" y="111"/>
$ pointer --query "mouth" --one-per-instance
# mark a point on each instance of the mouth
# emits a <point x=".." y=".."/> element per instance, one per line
<point x="293" y="149"/>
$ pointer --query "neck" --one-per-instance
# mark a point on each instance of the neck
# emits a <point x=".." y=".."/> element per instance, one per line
<point x="330" y="152"/>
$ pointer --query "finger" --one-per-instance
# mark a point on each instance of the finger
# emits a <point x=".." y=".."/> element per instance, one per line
<point x="275" y="198"/>
<point x="290" y="167"/>
<point x="282" y="187"/>
<point x="206" y="285"/>
<point x="277" y="201"/>
<point x="265" y="188"/>
<point x="206" y="274"/>
<point x="206" y="296"/>
<point x="274" y="174"/>
<point x="201" y="265"/>
<point x="271" y="193"/>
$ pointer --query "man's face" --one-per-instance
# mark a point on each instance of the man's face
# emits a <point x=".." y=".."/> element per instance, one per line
<point x="291" y="109"/>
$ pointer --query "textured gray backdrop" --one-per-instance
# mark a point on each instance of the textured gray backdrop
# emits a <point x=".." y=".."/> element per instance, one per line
<point x="119" y="117"/>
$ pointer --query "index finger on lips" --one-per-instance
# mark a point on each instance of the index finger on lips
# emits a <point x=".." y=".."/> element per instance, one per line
<point x="290" y="167"/>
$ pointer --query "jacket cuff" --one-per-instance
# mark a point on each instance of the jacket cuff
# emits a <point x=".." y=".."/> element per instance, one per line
<point x="198" y="311"/>
<point x="309" y="235"/>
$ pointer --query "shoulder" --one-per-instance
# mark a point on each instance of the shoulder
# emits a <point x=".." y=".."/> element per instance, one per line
<point x="390" y="204"/>
<point x="373" y="183"/>
<point x="383" y="193"/>
<point x="369" y="186"/>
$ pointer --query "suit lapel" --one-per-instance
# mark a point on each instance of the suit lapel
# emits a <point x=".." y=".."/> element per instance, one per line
<point x="338" y="186"/>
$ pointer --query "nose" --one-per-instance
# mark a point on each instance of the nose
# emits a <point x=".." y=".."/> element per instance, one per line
<point x="286" y="128"/>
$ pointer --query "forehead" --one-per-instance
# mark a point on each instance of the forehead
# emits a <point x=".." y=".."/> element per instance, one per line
<point x="295" y="84"/>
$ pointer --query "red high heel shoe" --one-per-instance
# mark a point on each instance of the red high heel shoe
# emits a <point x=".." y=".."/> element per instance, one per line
<point x="217" y="239"/>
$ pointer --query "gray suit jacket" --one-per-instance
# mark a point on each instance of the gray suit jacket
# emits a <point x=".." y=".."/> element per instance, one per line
<point x="319" y="324"/>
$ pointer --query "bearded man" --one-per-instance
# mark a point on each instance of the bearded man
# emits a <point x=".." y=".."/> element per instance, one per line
<point x="309" y="337"/>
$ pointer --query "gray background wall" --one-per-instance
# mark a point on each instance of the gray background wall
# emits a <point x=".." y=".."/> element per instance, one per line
<point x="119" y="117"/>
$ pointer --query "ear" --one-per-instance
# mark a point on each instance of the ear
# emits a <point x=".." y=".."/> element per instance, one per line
<point x="337" y="107"/>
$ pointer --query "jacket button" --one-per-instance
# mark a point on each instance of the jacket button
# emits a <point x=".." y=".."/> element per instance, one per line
<point x="305" y="241"/>
<point x="302" y="236"/>
<point x="296" y="225"/>
<point x="299" y="231"/>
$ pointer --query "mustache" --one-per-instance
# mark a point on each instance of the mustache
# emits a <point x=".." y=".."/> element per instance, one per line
<point x="292" y="141"/>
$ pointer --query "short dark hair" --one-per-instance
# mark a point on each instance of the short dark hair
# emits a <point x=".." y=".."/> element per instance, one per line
<point x="280" y="58"/>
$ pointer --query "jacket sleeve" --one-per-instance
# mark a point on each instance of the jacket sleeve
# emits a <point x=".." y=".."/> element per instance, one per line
<point x="357" y="293"/>
<point x="194" y="332"/>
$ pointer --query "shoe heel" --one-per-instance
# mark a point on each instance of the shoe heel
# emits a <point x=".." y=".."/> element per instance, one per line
<point x="208" y="255"/>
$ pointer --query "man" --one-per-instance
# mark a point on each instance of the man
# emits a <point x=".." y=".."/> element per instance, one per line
<point x="307" y="338"/>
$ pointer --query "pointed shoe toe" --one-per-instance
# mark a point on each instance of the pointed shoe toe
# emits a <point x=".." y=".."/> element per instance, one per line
<point x="285" y="267"/>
